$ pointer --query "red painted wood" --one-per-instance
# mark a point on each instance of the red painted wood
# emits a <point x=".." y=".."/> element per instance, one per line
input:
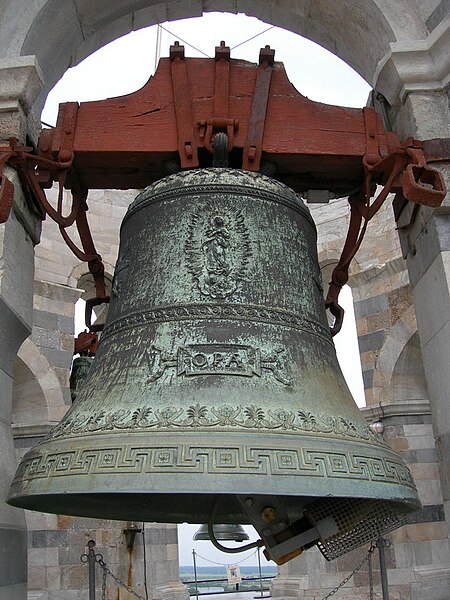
<point x="125" y="142"/>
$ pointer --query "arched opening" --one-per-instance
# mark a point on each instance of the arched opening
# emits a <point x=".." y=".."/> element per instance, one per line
<point x="118" y="68"/>
<point x="63" y="35"/>
<point x="29" y="406"/>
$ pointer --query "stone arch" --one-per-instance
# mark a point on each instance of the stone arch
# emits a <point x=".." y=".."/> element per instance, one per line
<point x="81" y="272"/>
<point x="33" y="370"/>
<point x="400" y="357"/>
<point x="408" y="378"/>
<point x="60" y="35"/>
<point x="85" y="283"/>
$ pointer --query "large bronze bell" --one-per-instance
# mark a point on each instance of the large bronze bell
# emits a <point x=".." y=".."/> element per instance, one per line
<point x="216" y="395"/>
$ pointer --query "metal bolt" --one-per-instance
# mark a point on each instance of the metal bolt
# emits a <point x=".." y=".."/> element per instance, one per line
<point x="268" y="514"/>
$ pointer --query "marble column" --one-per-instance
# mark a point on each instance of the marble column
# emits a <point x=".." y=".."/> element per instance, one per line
<point x="19" y="85"/>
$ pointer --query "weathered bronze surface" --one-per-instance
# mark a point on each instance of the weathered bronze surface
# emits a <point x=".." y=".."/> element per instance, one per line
<point x="230" y="532"/>
<point x="216" y="375"/>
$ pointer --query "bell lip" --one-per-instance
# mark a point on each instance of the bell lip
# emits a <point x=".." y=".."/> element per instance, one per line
<point x="47" y="470"/>
<point x="98" y="505"/>
<point x="158" y="486"/>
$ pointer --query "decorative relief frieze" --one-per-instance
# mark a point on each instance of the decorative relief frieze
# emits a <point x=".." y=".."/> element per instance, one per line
<point x="301" y="462"/>
<point x="235" y="183"/>
<point x="223" y="311"/>
<point x="221" y="417"/>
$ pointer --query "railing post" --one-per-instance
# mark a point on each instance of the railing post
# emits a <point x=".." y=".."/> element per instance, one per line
<point x="195" y="574"/>
<point x="382" y="544"/>
<point x="260" y="576"/>
<point x="91" y="567"/>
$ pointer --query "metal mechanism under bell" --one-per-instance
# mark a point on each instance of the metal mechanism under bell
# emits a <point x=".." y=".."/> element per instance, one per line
<point x="216" y="395"/>
<point x="222" y="532"/>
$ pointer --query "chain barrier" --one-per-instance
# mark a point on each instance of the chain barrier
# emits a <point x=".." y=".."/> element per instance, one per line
<point x="367" y="558"/>
<point x="221" y="564"/>
<point x="91" y="558"/>
<point x="370" y="567"/>
<point x="106" y="572"/>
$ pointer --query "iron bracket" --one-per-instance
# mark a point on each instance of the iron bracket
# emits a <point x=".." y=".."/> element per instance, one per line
<point x="251" y="159"/>
<point x="220" y="121"/>
<point x="404" y="170"/>
<point x="33" y="169"/>
<point x="187" y="144"/>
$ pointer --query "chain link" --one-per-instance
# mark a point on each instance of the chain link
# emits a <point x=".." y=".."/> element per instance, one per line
<point x="355" y="570"/>
<point x="93" y="558"/>
<point x="104" y="585"/>
<point x="117" y="580"/>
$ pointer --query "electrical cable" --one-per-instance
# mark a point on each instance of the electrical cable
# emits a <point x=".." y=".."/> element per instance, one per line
<point x="184" y="41"/>
<point x="253" y="37"/>
<point x="219" y="546"/>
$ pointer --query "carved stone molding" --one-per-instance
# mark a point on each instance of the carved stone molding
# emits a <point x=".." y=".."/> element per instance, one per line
<point x="22" y="81"/>
<point x="415" y="66"/>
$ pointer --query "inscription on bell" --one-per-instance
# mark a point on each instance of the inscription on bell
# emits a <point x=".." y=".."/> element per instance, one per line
<point x="220" y="359"/>
<point x="217" y="359"/>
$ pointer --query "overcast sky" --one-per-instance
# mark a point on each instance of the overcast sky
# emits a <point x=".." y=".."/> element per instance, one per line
<point x="125" y="65"/>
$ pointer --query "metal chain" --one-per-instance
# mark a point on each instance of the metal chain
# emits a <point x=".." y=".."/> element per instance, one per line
<point x="355" y="570"/>
<point x="106" y="571"/>
<point x="370" y="577"/>
<point x="104" y="585"/>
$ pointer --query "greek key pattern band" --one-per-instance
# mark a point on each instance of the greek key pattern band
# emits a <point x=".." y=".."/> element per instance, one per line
<point x="183" y="458"/>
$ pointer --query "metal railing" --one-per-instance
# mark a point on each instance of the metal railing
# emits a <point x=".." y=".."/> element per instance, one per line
<point x="236" y="586"/>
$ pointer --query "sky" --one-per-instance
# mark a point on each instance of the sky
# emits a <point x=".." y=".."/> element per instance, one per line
<point x="125" y="65"/>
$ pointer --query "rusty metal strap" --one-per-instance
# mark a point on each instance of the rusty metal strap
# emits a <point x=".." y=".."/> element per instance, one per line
<point x="253" y="145"/>
<point x="436" y="150"/>
<point x="21" y="158"/>
<point x="187" y="144"/>
<point x="406" y="168"/>
<point x="220" y="121"/>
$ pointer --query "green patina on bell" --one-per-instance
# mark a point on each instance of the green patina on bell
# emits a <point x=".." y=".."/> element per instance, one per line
<point x="222" y="532"/>
<point x="80" y="369"/>
<point x="216" y="393"/>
